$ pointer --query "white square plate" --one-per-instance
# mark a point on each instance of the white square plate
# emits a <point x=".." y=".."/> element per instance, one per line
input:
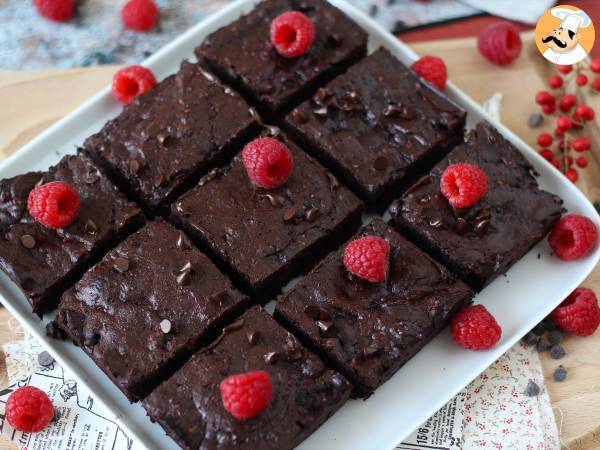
<point x="531" y="289"/>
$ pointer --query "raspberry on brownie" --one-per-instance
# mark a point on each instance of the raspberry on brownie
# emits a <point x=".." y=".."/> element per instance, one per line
<point x="45" y="254"/>
<point x="483" y="240"/>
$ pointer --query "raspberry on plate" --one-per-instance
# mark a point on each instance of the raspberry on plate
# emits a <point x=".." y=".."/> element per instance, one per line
<point x="431" y="69"/>
<point x="579" y="313"/>
<point x="248" y="394"/>
<point x="29" y="409"/>
<point x="268" y="162"/>
<point x="56" y="10"/>
<point x="129" y="82"/>
<point x="368" y="258"/>
<point x="292" y="34"/>
<point x="140" y="15"/>
<point x="54" y="204"/>
<point x="500" y="43"/>
<point x="475" y="328"/>
<point x="463" y="184"/>
<point x="573" y="237"/>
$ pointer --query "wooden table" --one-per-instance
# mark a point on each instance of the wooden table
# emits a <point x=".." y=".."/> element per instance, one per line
<point x="33" y="101"/>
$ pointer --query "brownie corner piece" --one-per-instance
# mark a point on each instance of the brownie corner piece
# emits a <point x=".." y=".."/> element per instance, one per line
<point x="43" y="261"/>
<point x="168" y="137"/>
<point x="274" y="83"/>
<point x="365" y="330"/>
<point x="305" y="393"/>
<point x="149" y="304"/>
<point x="378" y="127"/>
<point x="485" y="240"/>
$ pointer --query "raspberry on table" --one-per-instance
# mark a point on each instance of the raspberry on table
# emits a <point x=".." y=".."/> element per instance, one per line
<point x="500" y="43"/>
<point x="463" y="184"/>
<point x="368" y="258"/>
<point x="56" y="10"/>
<point x="432" y="69"/>
<point x="475" y="328"/>
<point x="268" y="161"/>
<point x="54" y="204"/>
<point x="246" y="395"/>
<point x="140" y="15"/>
<point x="129" y="82"/>
<point x="579" y="313"/>
<point x="573" y="237"/>
<point x="292" y="34"/>
<point x="29" y="409"/>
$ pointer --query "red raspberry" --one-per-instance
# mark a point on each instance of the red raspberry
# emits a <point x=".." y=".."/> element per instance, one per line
<point x="129" y="82"/>
<point x="29" y="409"/>
<point x="567" y="102"/>
<point x="269" y="162"/>
<point x="368" y="258"/>
<point x="475" y="328"/>
<point x="544" y="139"/>
<point x="500" y="43"/>
<point x="581" y="161"/>
<point x="572" y="175"/>
<point x="56" y="10"/>
<point x="292" y="34"/>
<point x="573" y="237"/>
<point x="463" y="184"/>
<point x="140" y="15"/>
<point x="595" y="66"/>
<point x="555" y="82"/>
<point x="579" y="313"/>
<point x="432" y="69"/>
<point x="581" y="80"/>
<point x="565" y="69"/>
<point x="246" y="395"/>
<point x="581" y="144"/>
<point x="54" y="204"/>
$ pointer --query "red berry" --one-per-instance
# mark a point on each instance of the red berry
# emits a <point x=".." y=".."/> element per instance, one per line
<point x="292" y="34"/>
<point x="567" y="102"/>
<point x="549" y="108"/>
<point x="544" y="139"/>
<point x="544" y="98"/>
<point x="54" y="204"/>
<point x="500" y="43"/>
<point x="129" y="82"/>
<point x="581" y="161"/>
<point x="140" y="15"/>
<point x="572" y="175"/>
<point x="246" y="395"/>
<point x="596" y="84"/>
<point x="475" y="328"/>
<point x="595" y="66"/>
<point x="581" y="144"/>
<point x="564" y="69"/>
<point x="555" y="163"/>
<point x="564" y="123"/>
<point x="368" y="258"/>
<point x="56" y="10"/>
<point x="432" y="69"/>
<point x="578" y="313"/>
<point x="581" y="80"/>
<point x="268" y="162"/>
<point x="567" y="160"/>
<point x="558" y="132"/>
<point x="573" y="237"/>
<point x="585" y="112"/>
<point x="29" y="409"/>
<point x="555" y="82"/>
<point x="547" y="154"/>
<point x="463" y="184"/>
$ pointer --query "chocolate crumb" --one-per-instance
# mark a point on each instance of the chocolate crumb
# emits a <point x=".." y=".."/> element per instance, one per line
<point x="311" y="214"/>
<point x="324" y="325"/>
<point x="252" y="337"/>
<point x="271" y="357"/>
<point x="183" y="241"/>
<point x="184" y="278"/>
<point x="121" y="264"/>
<point x="289" y="214"/>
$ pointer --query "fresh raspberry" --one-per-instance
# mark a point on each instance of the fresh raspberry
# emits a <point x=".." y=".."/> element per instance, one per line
<point x="463" y="184"/>
<point x="29" y="409"/>
<point x="246" y="395"/>
<point x="129" y="82"/>
<point x="544" y="98"/>
<point x="544" y="139"/>
<point x="581" y="80"/>
<point x="567" y="102"/>
<point x="269" y="162"/>
<point x="572" y="175"/>
<point x="581" y="144"/>
<point x="579" y="313"/>
<point x="564" y="69"/>
<point x="573" y="237"/>
<point x="595" y="66"/>
<point x="432" y="69"/>
<point x="555" y="82"/>
<point x="54" y="204"/>
<point x="56" y="10"/>
<point x="368" y="258"/>
<point x="500" y="43"/>
<point x="292" y="34"/>
<point x="140" y="15"/>
<point x="475" y="328"/>
<point x="581" y="161"/>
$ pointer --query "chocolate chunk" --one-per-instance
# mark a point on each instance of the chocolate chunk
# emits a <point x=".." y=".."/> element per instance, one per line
<point x="187" y="267"/>
<point x="134" y="166"/>
<point x="271" y="357"/>
<point x="462" y="226"/>
<point x="28" y="241"/>
<point x="289" y="214"/>
<point x="158" y="180"/>
<point x="273" y="131"/>
<point x="90" y="227"/>
<point x="333" y="181"/>
<point x="381" y="163"/>
<point x="164" y="139"/>
<point x="121" y="264"/>
<point x="312" y="311"/>
<point x="324" y="325"/>
<point x="45" y="359"/>
<point x="459" y="212"/>
<point x="165" y="326"/>
<point x="275" y="199"/>
<point x="436" y="222"/>
<point x="320" y="96"/>
<point x="183" y="242"/>
<point x="481" y="226"/>
<point x="299" y="116"/>
<point x="483" y="214"/>
<point x="184" y="278"/>
<point x="252" y="337"/>
<point x="322" y="111"/>
<point x="234" y="326"/>
<point x="311" y="214"/>
<point x="370" y="350"/>
<point x="219" y="297"/>
<point x="92" y="177"/>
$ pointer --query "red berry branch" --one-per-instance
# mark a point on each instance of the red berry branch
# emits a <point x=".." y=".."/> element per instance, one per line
<point x="566" y="104"/>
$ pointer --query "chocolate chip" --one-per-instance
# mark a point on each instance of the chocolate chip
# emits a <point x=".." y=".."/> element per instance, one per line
<point x="91" y="177"/>
<point x="254" y="114"/>
<point x="462" y="226"/>
<point x="271" y="357"/>
<point x="391" y="111"/>
<point x="273" y="131"/>
<point x="407" y="113"/>
<point x="311" y="214"/>
<point x="184" y="278"/>
<point x="45" y="359"/>
<point x="436" y="223"/>
<point x="560" y="374"/>
<point x="459" y="212"/>
<point x="299" y="116"/>
<point x="28" y="241"/>
<point x="90" y="227"/>
<point x="121" y="264"/>
<point x="183" y="242"/>
<point x="333" y="181"/>
<point x="481" y="226"/>
<point x="234" y="326"/>
<point x="187" y="267"/>
<point x="312" y="311"/>
<point x="483" y="214"/>
<point x="557" y="352"/>
<point x="164" y="139"/>
<point x="535" y="120"/>
<point x="252" y="337"/>
<point x="370" y="350"/>
<point x="320" y="96"/>
<point x="324" y="325"/>
<point x="158" y="180"/>
<point x="219" y="297"/>
<point x="165" y="326"/>
<point x="275" y="199"/>
<point x="322" y="111"/>
<point x="134" y="166"/>
<point x="289" y="214"/>
<point x="266" y="88"/>
<point x="532" y="389"/>
<point x="380" y="163"/>
<point x="335" y="39"/>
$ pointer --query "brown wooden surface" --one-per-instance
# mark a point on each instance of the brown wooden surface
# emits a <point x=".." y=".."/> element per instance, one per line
<point x="33" y="101"/>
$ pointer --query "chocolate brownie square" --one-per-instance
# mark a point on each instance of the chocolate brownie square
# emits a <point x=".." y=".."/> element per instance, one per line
<point x="146" y="307"/>
<point x="305" y="393"/>
<point x="365" y="330"/>
<point x="482" y="241"/>
<point x="378" y="127"/>
<point x="42" y="261"/>
<point x="242" y="55"/>
<point x="167" y="138"/>
<point x="263" y="236"/>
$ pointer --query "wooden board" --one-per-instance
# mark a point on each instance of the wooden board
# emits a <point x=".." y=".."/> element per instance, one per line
<point x="33" y="101"/>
